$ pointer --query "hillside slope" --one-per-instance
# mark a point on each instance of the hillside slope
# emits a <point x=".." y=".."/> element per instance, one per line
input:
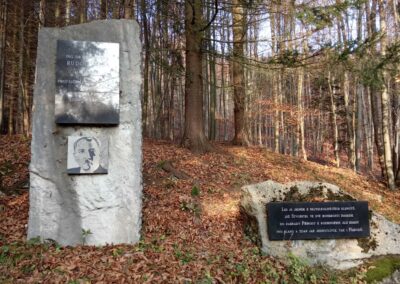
<point x="192" y="229"/>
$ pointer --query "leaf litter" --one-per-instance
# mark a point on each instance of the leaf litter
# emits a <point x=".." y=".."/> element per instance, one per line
<point x="191" y="231"/>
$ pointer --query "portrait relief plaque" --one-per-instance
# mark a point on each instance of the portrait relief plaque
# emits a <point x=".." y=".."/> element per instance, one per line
<point x="87" y="155"/>
<point x="87" y="82"/>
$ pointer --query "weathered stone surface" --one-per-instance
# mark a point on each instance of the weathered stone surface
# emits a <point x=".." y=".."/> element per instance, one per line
<point x="393" y="279"/>
<point x="61" y="205"/>
<point x="336" y="253"/>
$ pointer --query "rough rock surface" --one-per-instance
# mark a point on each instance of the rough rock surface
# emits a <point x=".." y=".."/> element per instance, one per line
<point x="393" y="279"/>
<point x="96" y="209"/>
<point x="336" y="253"/>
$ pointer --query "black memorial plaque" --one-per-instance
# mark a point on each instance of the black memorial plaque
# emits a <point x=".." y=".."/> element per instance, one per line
<point x="87" y="82"/>
<point x="317" y="220"/>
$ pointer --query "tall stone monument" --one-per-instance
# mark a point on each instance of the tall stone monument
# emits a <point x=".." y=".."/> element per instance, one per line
<point x="85" y="172"/>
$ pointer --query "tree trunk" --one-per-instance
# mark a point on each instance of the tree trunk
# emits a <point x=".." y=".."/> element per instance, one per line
<point x="115" y="9"/>
<point x="318" y="140"/>
<point x="28" y="70"/>
<point x="275" y="80"/>
<point x="13" y="78"/>
<point x="103" y="9"/>
<point x="342" y="37"/>
<point x="129" y="9"/>
<point x="396" y="128"/>
<point x="2" y="59"/>
<point x="303" y="153"/>
<point x="349" y="121"/>
<point x="82" y="12"/>
<point x="396" y="111"/>
<point x="359" y="90"/>
<point x="281" y="122"/>
<point x="146" y="64"/>
<point x="194" y="137"/>
<point x="276" y="83"/>
<point x="57" y="13"/>
<point x="67" y="12"/>
<point x="369" y="129"/>
<point x="212" y="84"/>
<point x="385" y="105"/>
<point x="359" y="120"/>
<point x="239" y="92"/>
<point x="42" y="13"/>
<point x="376" y="109"/>
<point x="300" y="102"/>
<point x="334" y="122"/>
<point x="375" y="100"/>
<point x="21" y="99"/>
<point x="223" y="93"/>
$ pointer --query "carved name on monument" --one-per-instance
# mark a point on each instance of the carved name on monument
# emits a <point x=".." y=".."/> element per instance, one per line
<point x="87" y="82"/>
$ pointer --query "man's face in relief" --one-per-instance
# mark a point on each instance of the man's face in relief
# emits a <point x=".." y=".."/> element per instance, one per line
<point x="87" y="154"/>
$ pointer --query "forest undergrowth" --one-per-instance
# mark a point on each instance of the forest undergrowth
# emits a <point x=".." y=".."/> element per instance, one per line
<point x="192" y="230"/>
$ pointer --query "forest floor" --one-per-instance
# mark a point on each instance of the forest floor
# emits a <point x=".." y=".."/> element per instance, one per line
<point x="192" y="230"/>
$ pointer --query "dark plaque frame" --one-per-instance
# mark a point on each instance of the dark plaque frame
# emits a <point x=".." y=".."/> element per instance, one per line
<point x="318" y="220"/>
<point x="87" y="82"/>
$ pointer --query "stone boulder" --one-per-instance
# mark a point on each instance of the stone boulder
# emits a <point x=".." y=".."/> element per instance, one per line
<point x="393" y="279"/>
<point x="335" y="253"/>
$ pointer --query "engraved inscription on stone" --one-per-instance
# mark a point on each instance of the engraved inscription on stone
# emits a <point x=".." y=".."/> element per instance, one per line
<point x="317" y="220"/>
<point x="87" y="82"/>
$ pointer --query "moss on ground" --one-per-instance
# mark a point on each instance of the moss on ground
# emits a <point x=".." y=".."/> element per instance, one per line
<point x="381" y="268"/>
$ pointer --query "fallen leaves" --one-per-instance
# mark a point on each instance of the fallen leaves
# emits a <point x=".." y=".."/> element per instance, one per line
<point x="14" y="161"/>
<point x="192" y="230"/>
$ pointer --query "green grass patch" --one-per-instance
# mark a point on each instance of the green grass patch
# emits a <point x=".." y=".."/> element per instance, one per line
<point x="382" y="268"/>
<point x="195" y="191"/>
<point x="184" y="256"/>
